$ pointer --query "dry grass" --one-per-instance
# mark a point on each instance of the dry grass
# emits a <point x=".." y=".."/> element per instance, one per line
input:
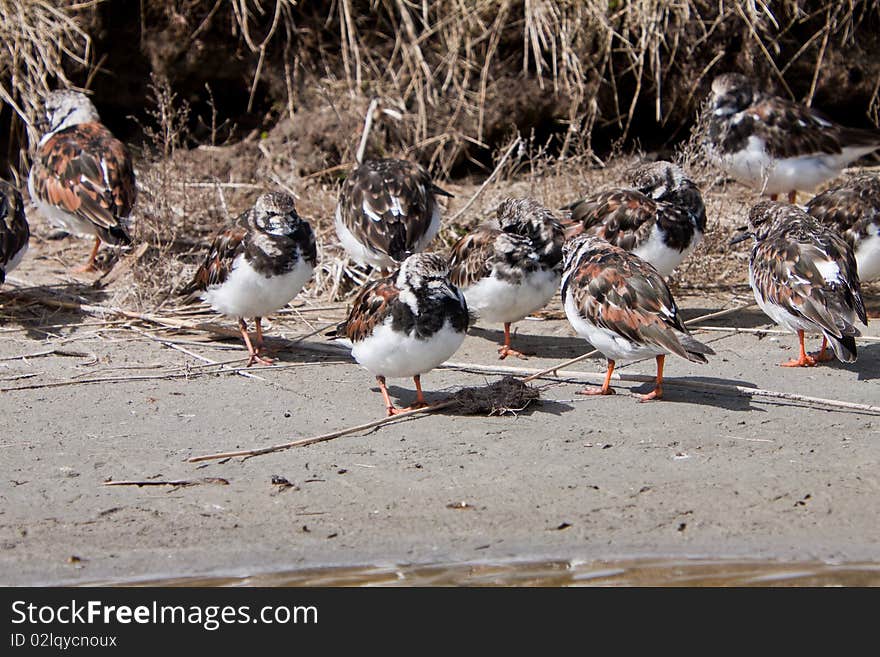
<point x="38" y="40"/>
<point x="456" y="82"/>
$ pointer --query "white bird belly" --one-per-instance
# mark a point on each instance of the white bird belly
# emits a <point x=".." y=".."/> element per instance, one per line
<point x="868" y="255"/>
<point x="495" y="300"/>
<point x="392" y="354"/>
<point x="613" y="346"/>
<point x="357" y="251"/>
<point x="663" y="258"/>
<point x="754" y="167"/>
<point x="247" y="293"/>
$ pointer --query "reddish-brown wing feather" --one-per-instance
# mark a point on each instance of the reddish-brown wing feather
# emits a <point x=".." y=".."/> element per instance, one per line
<point x="471" y="258"/>
<point x="623" y="294"/>
<point x="86" y="171"/>
<point x="623" y="217"/>
<point x="370" y="308"/>
<point x="218" y="263"/>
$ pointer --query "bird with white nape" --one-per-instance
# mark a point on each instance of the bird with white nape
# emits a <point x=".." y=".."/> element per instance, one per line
<point x="510" y="266"/>
<point x="82" y="176"/>
<point x="257" y="266"/>
<point x="406" y="324"/>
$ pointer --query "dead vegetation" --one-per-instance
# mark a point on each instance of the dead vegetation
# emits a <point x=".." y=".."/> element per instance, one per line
<point x="521" y="89"/>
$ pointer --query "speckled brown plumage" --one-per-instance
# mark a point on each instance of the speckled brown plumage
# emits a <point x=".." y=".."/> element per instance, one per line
<point x="662" y="199"/>
<point x="271" y="250"/>
<point x="852" y="208"/>
<point x="523" y="237"/>
<point x="380" y="299"/>
<point x="788" y="129"/>
<point x="804" y="275"/>
<point x="614" y="290"/>
<point x="86" y="171"/>
<point x="389" y="206"/>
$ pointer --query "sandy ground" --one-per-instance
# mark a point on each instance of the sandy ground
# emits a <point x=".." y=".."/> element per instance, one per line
<point x="708" y="475"/>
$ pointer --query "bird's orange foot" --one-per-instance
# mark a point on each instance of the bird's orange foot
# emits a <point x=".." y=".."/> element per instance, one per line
<point x="596" y="391"/>
<point x="262" y="360"/>
<point x="504" y="351"/>
<point x="87" y="268"/>
<point x="656" y="393"/>
<point x="397" y="411"/>
<point x="804" y="361"/>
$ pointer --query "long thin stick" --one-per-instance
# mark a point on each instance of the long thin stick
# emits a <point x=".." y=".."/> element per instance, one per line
<point x="701" y="318"/>
<point x="49" y="352"/>
<point x="302" y="442"/>
<point x="177" y="482"/>
<point x="592" y="377"/>
<point x="761" y="331"/>
<point x="486" y="182"/>
<point x="186" y="351"/>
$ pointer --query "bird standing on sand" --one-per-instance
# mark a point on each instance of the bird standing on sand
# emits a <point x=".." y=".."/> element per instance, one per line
<point x="774" y="145"/>
<point x="511" y="266"/>
<point x="852" y="208"/>
<point x="82" y="176"/>
<point x="661" y="218"/>
<point x="387" y="210"/>
<point x="257" y="266"/>
<point x="623" y="307"/>
<point x="804" y="278"/>
<point x="407" y="324"/>
<point x="14" y="231"/>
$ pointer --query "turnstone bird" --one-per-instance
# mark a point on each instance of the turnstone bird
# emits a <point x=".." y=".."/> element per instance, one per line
<point x="775" y="145"/>
<point x="622" y="306"/>
<point x="853" y="210"/>
<point x="661" y="218"/>
<point x="407" y="324"/>
<point x="511" y="266"/>
<point x="257" y="266"/>
<point x="82" y="177"/>
<point x="387" y="210"/>
<point x="14" y="231"/>
<point x="804" y="278"/>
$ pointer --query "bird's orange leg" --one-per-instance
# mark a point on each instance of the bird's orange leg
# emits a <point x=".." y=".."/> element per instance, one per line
<point x="657" y="392"/>
<point x="420" y="397"/>
<point x="606" y="388"/>
<point x="254" y="356"/>
<point x="261" y="347"/>
<point x="792" y="197"/>
<point x="506" y="350"/>
<point x="804" y="360"/>
<point x="388" y="405"/>
<point x="823" y="356"/>
<point x="90" y="263"/>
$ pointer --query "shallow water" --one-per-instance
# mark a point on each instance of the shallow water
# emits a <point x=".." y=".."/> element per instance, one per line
<point x="635" y="572"/>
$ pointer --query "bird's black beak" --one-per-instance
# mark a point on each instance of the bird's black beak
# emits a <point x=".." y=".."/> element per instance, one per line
<point x="742" y="237"/>
<point x="441" y="192"/>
